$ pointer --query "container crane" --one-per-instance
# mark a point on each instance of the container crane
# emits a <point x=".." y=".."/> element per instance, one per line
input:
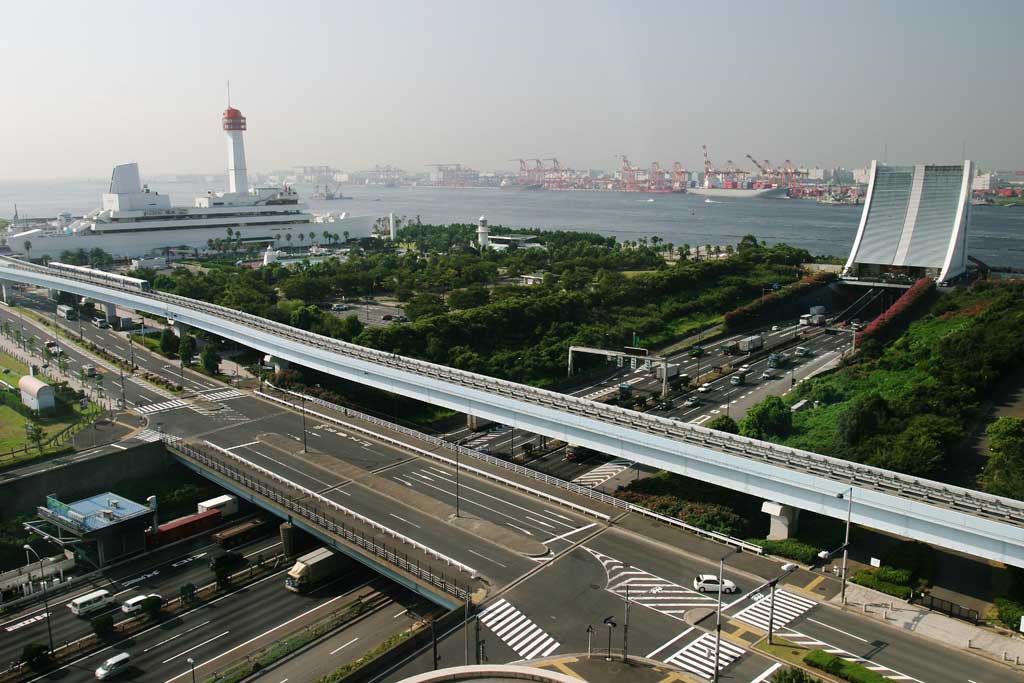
<point x="679" y="177"/>
<point x="628" y="174"/>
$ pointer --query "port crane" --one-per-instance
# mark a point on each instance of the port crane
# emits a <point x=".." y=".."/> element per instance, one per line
<point x="628" y="174"/>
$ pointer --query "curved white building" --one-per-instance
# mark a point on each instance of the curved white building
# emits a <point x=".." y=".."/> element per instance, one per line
<point x="914" y="223"/>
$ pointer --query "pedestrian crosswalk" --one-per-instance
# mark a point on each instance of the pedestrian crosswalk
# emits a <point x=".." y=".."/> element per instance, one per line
<point x="517" y="631"/>
<point x="654" y="592"/>
<point x="151" y="436"/>
<point x="698" y="655"/>
<point x="600" y="475"/>
<point x="161" y="407"/>
<point x="222" y="395"/>
<point x="787" y="608"/>
<point x="813" y="643"/>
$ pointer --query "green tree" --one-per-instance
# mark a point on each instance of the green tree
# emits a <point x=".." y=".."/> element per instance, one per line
<point x="471" y="297"/>
<point x="348" y="328"/>
<point x="152" y="606"/>
<point x="920" y="449"/>
<point x="222" y="575"/>
<point x="209" y="359"/>
<point x="863" y="418"/>
<point x="1004" y="474"/>
<point x="35" y="655"/>
<point x="187" y="593"/>
<point x="168" y="342"/>
<point x="724" y="423"/>
<point x="791" y="674"/>
<point x="747" y="242"/>
<point x="770" y="417"/>
<point x="34" y="435"/>
<point x="103" y="626"/>
<point x="425" y="305"/>
<point x="28" y="248"/>
<point x="187" y="349"/>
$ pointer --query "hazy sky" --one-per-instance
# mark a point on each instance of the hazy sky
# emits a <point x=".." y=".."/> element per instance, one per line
<point x="90" y="84"/>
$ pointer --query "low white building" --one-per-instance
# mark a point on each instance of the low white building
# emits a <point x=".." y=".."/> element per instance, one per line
<point x="37" y="394"/>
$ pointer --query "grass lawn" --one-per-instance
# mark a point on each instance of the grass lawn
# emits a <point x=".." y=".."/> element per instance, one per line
<point x="17" y="369"/>
<point x="787" y="652"/>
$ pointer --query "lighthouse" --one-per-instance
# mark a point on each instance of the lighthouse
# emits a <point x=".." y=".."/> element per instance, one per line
<point x="482" y="233"/>
<point x="234" y="125"/>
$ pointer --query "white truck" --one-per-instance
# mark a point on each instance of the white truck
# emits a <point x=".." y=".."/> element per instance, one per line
<point x="672" y="371"/>
<point x="228" y="505"/>
<point x="751" y="343"/>
<point x="312" y="569"/>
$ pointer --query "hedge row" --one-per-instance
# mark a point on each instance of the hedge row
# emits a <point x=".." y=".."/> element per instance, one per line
<point x="898" y="310"/>
<point x="1009" y="611"/>
<point x="789" y="548"/>
<point x="750" y="313"/>
<point x="871" y="580"/>
<point x="837" y="666"/>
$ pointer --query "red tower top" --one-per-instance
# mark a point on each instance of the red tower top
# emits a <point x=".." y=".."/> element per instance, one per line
<point x="233" y="119"/>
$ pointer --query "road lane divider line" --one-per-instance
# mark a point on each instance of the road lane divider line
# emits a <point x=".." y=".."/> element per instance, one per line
<point x="175" y="637"/>
<point x="339" y="649"/>
<point x="195" y="647"/>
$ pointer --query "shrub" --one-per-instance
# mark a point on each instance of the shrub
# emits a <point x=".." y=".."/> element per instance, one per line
<point x="35" y="655"/>
<point x="899" y="309"/>
<point x="850" y="671"/>
<point x="869" y="579"/>
<point x="103" y="625"/>
<point x="151" y="606"/>
<point x="789" y="548"/>
<point x="1009" y="611"/>
<point x="890" y="575"/>
<point x="791" y="674"/>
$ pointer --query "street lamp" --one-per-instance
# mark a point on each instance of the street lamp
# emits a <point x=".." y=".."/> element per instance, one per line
<point x="846" y="541"/>
<point x="610" y="623"/>
<point x="46" y="601"/>
<point x="787" y="569"/>
<point x="718" y="609"/>
<point x="192" y="666"/>
<point x="590" y="635"/>
<point x="302" y="396"/>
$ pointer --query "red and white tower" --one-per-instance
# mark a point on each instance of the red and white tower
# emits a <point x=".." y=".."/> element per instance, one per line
<point x="234" y="125"/>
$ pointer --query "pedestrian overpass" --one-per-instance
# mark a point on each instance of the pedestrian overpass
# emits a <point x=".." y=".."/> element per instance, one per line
<point x="959" y="519"/>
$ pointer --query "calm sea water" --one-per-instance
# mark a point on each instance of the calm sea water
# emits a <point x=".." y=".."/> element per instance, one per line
<point x="996" y="234"/>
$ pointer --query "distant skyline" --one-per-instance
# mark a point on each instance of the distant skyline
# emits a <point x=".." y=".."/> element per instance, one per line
<point x="90" y="85"/>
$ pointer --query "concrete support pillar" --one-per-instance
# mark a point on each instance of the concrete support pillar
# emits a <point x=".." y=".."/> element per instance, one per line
<point x="179" y="329"/>
<point x="53" y="294"/>
<point x="111" y="312"/>
<point x="785" y="520"/>
<point x="6" y="292"/>
<point x="278" y="364"/>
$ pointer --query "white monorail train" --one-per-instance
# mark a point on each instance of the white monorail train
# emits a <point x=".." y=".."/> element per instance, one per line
<point x="101" y="276"/>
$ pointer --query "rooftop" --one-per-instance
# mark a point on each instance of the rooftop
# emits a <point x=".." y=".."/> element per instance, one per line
<point x="94" y="513"/>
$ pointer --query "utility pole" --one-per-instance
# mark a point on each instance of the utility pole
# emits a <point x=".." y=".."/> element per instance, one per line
<point x="46" y="601"/>
<point x="457" y="486"/>
<point x="302" y="396"/>
<point x="625" y="629"/>
<point x="718" y="610"/>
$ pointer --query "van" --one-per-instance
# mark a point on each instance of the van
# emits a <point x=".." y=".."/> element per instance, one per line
<point x="113" y="666"/>
<point x="90" y="602"/>
<point x="133" y="605"/>
<point x="100" y="322"/>
<point x="801" y="351"/>
<point x="89" y="370"/>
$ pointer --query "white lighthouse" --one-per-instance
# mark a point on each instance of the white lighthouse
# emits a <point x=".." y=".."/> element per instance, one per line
<point x="234" y="126"/>
<point x="483" y="239"/>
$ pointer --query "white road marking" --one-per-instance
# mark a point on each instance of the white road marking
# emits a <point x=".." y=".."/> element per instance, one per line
<point x="164" y="642"/>
<point x="519" y="528"/>
<point x="863" y="640"/>
<point x="569" y="533"/>
<point x="404" y="520"/>
<point x="767" y="672"/>
<point x="195" y="647"/>
<point x="486" y="558"/>
<point x="400" y="614"/>
<point x="242" y="445"/>
<point x="650" y="655"/>
<point x="339" y="649"/>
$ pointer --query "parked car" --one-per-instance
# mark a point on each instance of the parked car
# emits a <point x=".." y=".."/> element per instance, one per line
<point x="708" y="583"/>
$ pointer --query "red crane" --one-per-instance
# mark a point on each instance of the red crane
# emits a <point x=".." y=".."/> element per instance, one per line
<point x="679" y="177"/>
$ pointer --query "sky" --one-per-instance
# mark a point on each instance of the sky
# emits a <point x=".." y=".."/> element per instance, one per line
<point x="87" y="85"/>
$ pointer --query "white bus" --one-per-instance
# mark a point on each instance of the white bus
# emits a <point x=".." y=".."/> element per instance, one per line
<point x="67" y="312"/>
<point x="90" y="602"/>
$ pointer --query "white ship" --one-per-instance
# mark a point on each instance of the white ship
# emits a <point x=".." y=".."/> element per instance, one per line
<point x="739" y="193"/>
<point x="136" y="221"/>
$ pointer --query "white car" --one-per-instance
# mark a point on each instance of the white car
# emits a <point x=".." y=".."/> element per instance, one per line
<point x="708" y="583"/>
<point x="744" y="368"/>
<point x="775" y="328"/>
<point x="704" y="388"/>
<point x="767" y="374"/>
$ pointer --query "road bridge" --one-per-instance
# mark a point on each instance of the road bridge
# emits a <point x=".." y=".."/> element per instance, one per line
<point x="947" y="516"/>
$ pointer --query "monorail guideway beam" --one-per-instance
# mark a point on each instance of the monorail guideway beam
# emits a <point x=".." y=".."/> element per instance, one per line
<point x="884" y="501"/>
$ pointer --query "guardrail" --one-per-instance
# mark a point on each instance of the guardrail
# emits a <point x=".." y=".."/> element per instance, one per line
<point x="350" y="534"/>
<point x="512" y="467"/>
<point x="847" y="473"/>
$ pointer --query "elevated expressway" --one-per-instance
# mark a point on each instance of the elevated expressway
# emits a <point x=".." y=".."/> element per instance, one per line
<point x="951" y="517"/>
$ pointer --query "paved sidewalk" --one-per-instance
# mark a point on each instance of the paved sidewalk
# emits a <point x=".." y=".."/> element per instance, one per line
<point x="933" y="625"/>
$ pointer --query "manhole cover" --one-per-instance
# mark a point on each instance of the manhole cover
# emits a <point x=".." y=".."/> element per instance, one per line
<point x="595" y="587"/>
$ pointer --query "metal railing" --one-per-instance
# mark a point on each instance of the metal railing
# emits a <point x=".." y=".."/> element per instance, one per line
<point x="950" y="608"/>
<point x="358" y="538"/>
<point x="843" y="472"/>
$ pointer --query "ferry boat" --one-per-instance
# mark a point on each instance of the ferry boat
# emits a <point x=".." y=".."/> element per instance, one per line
<point x="136" y="221"/>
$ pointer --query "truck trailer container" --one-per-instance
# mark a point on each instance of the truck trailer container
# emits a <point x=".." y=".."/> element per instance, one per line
<point x="241" y="533"/>
<point x="228" y="505"/>
<point x="312" y="569"/>
<point x="671" y="370"/>
<point x="751" y="343"/>
<point x="183" y="527"/>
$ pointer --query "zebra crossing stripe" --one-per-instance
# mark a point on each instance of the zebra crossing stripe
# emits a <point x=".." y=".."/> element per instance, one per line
<point x="600" y="475"/>
<point x="517" y="631"/>
<point x="150" y="436"/>
<point x="161" y="407"/>
<point x="223" y="395"/>
<point x="787" y="608"/>
<point x="807" y="641"/>
<point x="698" y="656"/>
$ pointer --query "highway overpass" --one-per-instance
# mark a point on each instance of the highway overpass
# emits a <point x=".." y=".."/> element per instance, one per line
<point x="951" y="517"/>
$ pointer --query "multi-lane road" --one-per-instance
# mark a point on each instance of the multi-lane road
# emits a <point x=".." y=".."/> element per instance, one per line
<point x="551" y="570"/>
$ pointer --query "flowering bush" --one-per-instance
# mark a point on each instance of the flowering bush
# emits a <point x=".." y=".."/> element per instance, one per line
<point x="748" y="313"/>
<point x="898" y="310"/>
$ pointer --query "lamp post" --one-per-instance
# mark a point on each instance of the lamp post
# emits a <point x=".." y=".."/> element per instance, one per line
<point x="192" y="666"/>
<point x="718" y="609"/>
<point x="590" y="635"/>
<point x="457" y="481"/>
<point x="848" y="494"/>
<point x="787" y="569"/>
<point x="625" y="627"/>
<point x="610" y="623"/>
<point x="302" y="396"/>
<point x="46" y="601"/>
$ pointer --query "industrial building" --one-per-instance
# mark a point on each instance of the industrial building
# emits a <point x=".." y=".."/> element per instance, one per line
<point x="99" y="529"/>
<point x="914" y="224"/>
